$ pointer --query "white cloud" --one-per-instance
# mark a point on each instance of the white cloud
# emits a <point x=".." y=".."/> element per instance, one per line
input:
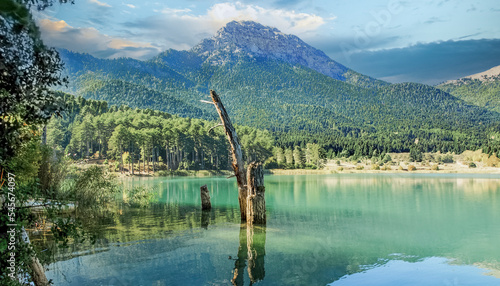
<point x="285" y="20"/>
<point x="130" y="6"/>
<point x="180" y="29"/>
<point x="175" y="11"/>
<point x="102" y="4"/>
<point x="89" y="40"/>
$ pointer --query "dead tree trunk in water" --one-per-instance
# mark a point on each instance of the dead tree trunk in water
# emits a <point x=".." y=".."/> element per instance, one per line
<point x="256" y="204"/>
<point x="237" y="155"/>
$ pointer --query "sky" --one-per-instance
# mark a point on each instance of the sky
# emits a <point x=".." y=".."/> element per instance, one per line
<point x="394" y="40"/>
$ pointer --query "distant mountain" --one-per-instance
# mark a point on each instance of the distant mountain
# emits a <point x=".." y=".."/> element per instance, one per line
<point x="254" y="40"/>
<point x="489" y="75"/>
<point x="271" y="80"/>
<point x="248" y="40"/>
<point x="481" y="89"/>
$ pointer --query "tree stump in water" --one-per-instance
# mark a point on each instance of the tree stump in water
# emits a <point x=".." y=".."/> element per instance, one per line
<point x="256" y="203"/>
<point x="205" y="198"/>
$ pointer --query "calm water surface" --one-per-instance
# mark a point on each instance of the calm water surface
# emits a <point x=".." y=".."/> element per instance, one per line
<point x="352" y="229"/>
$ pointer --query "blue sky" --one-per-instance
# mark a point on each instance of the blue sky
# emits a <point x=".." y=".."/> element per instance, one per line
<point x="395" y="40"/>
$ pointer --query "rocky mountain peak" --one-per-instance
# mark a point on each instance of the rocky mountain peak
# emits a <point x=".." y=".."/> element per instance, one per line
<point x="256" y="40"/>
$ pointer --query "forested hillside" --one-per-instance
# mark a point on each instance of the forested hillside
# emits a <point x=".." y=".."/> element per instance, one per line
<point x="92" y="130"/>
<point x="484" y="93"/>
<point x="347" y="113"/>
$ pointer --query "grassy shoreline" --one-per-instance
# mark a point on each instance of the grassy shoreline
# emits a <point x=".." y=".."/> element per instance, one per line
<point x="399" y="163"/>
<point x="343" y="168"/>
<point x="449" y="170"/>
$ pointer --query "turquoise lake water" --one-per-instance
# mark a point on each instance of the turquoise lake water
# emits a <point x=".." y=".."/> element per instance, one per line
<point x="349" y="229"/>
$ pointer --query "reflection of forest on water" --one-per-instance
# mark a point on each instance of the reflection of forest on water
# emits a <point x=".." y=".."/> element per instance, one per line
<point x="123" y="225"/>
<point x="320" y="228"/>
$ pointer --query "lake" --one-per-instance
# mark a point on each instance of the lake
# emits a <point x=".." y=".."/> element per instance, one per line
<point x="339" y="229"/>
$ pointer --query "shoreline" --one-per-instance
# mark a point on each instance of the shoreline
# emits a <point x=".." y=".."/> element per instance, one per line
<point x="353" y="171"/>
<point x="396" y="168"/>
<point x="448" y="169"/>
<point x="399" y="166"/>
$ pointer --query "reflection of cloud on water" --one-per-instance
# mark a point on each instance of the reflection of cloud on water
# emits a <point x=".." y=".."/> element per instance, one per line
<point x="428" y="271"/>
<point x="493" y="268"/>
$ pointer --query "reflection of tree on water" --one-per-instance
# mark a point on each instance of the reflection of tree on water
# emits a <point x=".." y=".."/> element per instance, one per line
<point x="252" y="249"/>
<point x="205" y="218"/>
<point x="119" y="223"/>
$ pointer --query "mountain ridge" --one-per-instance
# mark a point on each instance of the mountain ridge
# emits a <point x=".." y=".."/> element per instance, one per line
<point x="488" y="75"/>
<point x="254" y="39"/>
<point x="266" y="90"/>
<point x="251" y="40"/>
<point x="481" y="89"/>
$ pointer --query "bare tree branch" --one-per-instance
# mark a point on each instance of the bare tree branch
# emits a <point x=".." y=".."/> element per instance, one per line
<point x="220" y="124"/>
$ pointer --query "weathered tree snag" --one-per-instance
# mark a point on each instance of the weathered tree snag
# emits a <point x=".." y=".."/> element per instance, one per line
<point x="238" y="165"/>
<point x="205" y="198"/>
<point x="256" y="203"/>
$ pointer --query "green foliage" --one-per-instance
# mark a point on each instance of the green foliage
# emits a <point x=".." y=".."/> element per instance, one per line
<point x="412" y="168"/>
<point x="289" y="156"/>
<point x="29" y="70"/>
<point x="387" y="159"/>
<point x="271" y="163"/>
<point x="166" y="141"/>
<point x="140" y="196"/>
<point x="484" y="93"/>
<point x="416" y="154"/>
<point x="472" y="165"/>
<point x="298" y="157"/>
<point x="53" y="169"/>
<point x="26" y="162"/>
<point x="94" y="188"/>
<point x="435" y="167"/>
<point x="279" y="155"/>
<point x="448" y="158"/>
<point x="357" y="117"/>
